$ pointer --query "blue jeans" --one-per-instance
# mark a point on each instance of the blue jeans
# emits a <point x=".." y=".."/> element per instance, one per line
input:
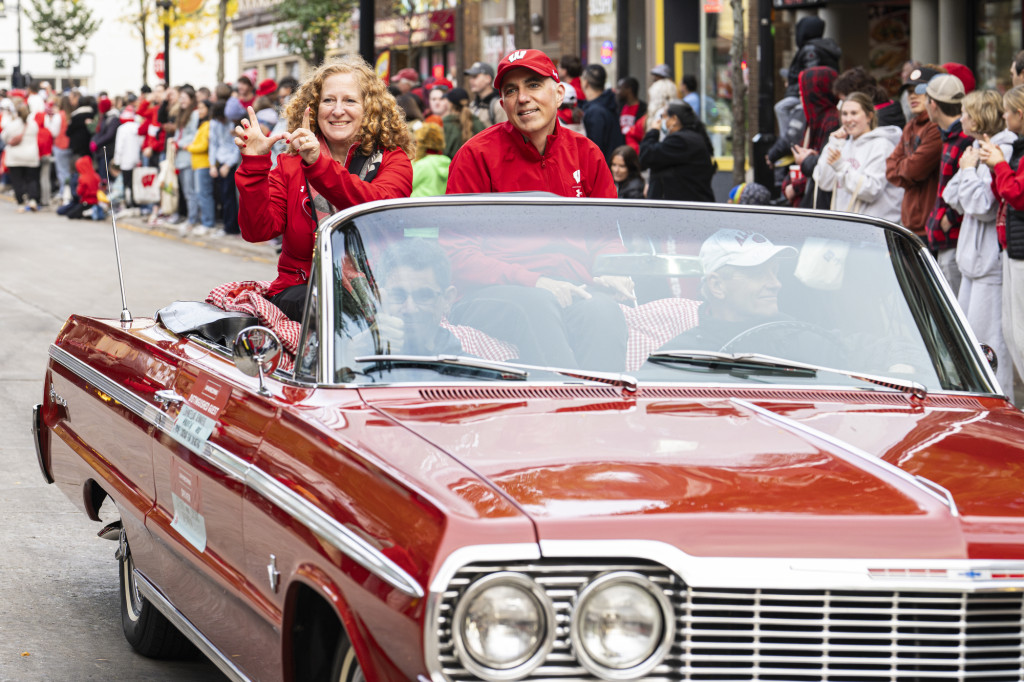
<point x="186" y="178"/>
<point x="204" y="196"/>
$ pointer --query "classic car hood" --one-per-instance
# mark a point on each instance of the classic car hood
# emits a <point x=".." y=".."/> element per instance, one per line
<point x="739" y="476"/>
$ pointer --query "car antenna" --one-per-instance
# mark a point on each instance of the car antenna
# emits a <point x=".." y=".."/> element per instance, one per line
<point x="126" y="317"/>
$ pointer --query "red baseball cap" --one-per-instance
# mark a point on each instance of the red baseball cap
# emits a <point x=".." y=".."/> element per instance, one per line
<point x="534" y="60"/>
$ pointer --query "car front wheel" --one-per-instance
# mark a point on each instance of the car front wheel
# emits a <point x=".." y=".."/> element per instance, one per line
<point x="346" y="666"/>
<point x="146" y="629"/>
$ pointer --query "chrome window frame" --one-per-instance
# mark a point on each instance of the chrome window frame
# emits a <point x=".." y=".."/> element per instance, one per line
<point x="324" y="251"/>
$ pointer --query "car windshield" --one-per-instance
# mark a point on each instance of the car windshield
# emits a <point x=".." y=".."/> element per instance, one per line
<point x="456" y="291"/>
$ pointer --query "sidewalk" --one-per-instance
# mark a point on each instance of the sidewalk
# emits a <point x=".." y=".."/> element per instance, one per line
<point x="263" y="252"/>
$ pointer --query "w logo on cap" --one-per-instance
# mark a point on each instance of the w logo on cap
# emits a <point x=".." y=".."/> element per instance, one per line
<point x="515" y="56"/>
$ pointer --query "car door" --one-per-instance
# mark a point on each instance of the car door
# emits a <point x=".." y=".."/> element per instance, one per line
<point x="199" y="470"/>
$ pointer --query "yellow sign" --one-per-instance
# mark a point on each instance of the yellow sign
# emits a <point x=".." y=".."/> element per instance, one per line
<point x="383" y="65"/>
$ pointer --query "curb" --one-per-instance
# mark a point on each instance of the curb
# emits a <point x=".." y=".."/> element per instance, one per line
<point x="263" y="252"/>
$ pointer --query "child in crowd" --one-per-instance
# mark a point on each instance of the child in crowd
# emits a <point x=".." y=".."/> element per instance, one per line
<point x="85" y="203"/>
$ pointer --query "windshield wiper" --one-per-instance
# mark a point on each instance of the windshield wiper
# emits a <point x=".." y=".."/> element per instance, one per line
<point x="457" y="363"/>
<point x="757" y="363"/>
<point x="506" y="370"/>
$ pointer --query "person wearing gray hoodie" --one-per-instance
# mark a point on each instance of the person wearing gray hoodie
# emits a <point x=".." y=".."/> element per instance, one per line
<point x="852" y="164"/>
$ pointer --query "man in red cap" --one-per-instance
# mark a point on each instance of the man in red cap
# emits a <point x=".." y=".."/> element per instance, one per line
<point x="550" y="308"/>
<point x="530" y="151"/>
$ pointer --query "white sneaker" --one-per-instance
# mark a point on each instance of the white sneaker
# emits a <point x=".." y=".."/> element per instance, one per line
<point x="186" y="229"/>
<point x="200" y="231"/>
<point x="220" y="233"/>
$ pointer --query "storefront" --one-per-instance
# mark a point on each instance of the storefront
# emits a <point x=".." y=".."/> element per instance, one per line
<point x="263" y="56"/>
<point x="497" y="30"/>
<point x="424" y="41"/>
<point x="998" y="39"/>
<point x="694" y="38"/>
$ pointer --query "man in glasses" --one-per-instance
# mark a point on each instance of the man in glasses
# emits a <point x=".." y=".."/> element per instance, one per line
<point x="414" y="279"/>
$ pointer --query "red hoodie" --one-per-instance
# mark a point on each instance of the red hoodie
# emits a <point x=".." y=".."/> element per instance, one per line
<point x="88" y="181"/>
<point x="151" y="129"/>
<point x="499" y="159"/>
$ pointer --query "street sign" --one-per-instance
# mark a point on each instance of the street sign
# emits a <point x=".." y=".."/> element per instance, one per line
<point x="158" y="65"/>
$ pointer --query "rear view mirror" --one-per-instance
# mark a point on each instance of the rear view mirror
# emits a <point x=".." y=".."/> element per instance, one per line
<point x="257" y="352"/>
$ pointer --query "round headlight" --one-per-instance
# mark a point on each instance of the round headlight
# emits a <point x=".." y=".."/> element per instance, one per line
<point x="504" y="626"/>
<point x="622" y="626"/>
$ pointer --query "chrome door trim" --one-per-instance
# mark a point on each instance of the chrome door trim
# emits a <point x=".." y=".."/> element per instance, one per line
<point x="185" y="627"/>
<point x="257" y="480"/>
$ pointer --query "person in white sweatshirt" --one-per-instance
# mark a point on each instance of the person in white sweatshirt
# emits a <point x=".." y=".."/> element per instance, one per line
<point x="21" y="154"/>
<point x="969" y="192"/>
<point x="854" y="162"/>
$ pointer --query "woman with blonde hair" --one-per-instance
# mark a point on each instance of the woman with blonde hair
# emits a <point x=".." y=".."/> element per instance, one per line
<point x="852" y="164"/>
<point x="969" y="192"/>
<point x="460" y="123"/>
<point x="430" y="169"/>
<point x="348" y="143"/>
<point x="1008" y="185"/>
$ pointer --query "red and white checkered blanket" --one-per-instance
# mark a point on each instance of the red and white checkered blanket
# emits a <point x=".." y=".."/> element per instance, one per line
<point x="650" y="325"/>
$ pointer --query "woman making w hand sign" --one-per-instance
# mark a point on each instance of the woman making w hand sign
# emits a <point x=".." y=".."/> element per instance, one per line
<point x="348" y="144"/>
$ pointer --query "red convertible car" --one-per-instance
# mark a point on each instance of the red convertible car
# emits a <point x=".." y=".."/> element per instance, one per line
<point x="529" y="438"/>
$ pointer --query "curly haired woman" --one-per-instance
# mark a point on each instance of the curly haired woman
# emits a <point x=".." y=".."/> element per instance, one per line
<point x="347" y="144"/>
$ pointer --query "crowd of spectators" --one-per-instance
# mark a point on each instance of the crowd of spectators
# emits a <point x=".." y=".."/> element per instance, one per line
<point x="939" y="157"/>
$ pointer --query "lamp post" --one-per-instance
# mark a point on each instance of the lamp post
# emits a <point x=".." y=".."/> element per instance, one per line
<point x="167" y="6"/>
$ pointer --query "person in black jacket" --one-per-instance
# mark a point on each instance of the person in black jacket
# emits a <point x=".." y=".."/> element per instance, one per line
<point x="812" y="50"/>
<point x="601" y="112"/>
<point x="681" y="165"/>
<point x="626" y="173"/>
<point x="79" y="132"/>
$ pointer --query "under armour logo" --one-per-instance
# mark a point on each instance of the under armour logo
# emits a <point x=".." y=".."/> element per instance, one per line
<point x="579" y="192"/>
<point x="517" y="55"/>
<point x="576" y="175"/>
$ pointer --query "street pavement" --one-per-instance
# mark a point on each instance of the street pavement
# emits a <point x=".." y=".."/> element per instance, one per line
<point x="59" y="616"/>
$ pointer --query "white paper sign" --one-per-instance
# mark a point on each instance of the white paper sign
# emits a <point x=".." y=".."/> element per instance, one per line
<point x="189" y="523"/>
<point x="192" y="428"/>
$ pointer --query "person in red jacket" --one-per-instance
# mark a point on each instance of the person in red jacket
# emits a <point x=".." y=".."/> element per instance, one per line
<point x="86" y="205"/>
<point x="354" y="148"/>
<point x="534" y="292"/>
<point x="530" y="151"/>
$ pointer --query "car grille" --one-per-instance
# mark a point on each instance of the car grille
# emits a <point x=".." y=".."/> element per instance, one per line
<point x="797" y="635"/>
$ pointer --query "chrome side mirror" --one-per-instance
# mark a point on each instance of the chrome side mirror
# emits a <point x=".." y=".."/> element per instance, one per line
<point x="990" y="355"/>
<point x="256" y="353"/>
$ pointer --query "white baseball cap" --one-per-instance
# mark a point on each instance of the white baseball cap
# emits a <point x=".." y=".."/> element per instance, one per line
<point x="740" y="248"/>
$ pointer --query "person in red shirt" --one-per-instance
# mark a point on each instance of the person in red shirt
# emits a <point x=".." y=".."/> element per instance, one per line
<point x="530" y="151"/>
<point x="544" y="301"/>
<point x="339" y="156"/>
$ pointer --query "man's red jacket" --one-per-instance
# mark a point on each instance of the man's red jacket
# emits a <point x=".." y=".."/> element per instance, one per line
<point x="275" y="202"/>
<point x="500" y="159"/>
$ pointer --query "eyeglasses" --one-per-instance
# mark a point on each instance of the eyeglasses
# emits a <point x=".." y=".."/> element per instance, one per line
<point x="422" y="296"/>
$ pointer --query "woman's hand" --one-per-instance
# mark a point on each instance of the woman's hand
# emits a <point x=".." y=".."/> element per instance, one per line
<point x="304" y="142"/>
<point x="800" y="154"/>
<point x="970" y="158"/>
<point x="990" y="154"/>
<point x="833" y="155"/>
<point x="249" y="137"/>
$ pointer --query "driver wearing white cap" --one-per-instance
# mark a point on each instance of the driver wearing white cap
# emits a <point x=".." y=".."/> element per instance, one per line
<point x="740" y="288"/>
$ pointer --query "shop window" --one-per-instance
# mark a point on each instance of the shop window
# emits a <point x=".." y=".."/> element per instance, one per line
<point x="997" y="42"/>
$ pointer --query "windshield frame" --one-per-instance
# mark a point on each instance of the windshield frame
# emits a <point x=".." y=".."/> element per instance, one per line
<point x="942" y="307"/>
